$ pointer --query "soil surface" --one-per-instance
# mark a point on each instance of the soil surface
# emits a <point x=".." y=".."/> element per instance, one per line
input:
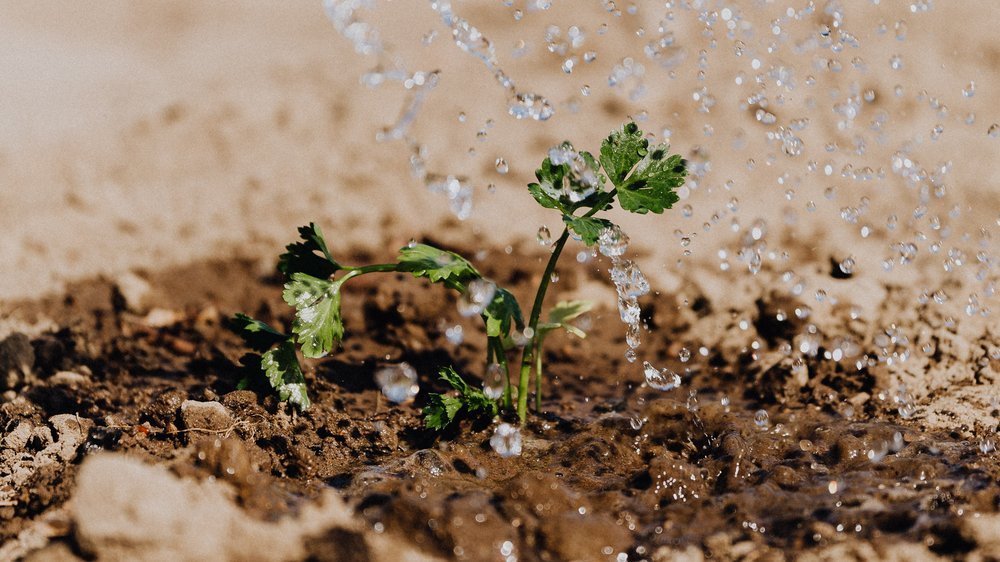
<point x="755" y="456"/>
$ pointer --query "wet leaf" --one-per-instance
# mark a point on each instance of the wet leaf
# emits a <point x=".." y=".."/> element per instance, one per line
<point x="652" y="186"/>
<point x="438" y="265"/>
<point x="317" y="323"/>
<point x="621" y="151"/>
<point x="282" y="369"/>
<point x="587" y="228"/>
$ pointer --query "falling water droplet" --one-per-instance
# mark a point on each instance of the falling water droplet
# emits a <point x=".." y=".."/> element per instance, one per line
<point x="477" y="296"/>
<point x="544" y="237"/>
<point x="533" y="106"/>
<point x="398" y="382"/>
<point x="761" y="419"/>
<point x="501" y="166"/>
<point x="493" y="382"/>
<point x="658" y="379"/>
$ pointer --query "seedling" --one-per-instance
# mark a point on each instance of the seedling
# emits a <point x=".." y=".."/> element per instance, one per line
<point x="642" y="180"/>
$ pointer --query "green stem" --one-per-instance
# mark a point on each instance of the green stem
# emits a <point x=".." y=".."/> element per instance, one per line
<point x="496" y="350"/>
<point x="536" y="311"/>
<point x="374" y="268"/>
<point x="538" y="375"/>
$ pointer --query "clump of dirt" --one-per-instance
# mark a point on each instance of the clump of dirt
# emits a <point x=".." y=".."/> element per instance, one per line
<point x="757" y="453"/>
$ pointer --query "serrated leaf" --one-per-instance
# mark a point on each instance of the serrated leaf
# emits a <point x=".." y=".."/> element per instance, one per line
<point x="423" y="260"/>
<point x="549" y="189"/>
<point x="440" y="411"/>
<point x="563" y="313"/>
<point x="543" y="198"/>
<point x="310" y="256"/>
<point x="282" y="369"/>
<point x="256" y="334"/>
<point x="621" y="151"/>
<point x="501" y="313"/>
<point x="652" y="186"/>
<point x="317" y="323"/>
<point x="450" y="376"/>
<point x="587" y="228"/>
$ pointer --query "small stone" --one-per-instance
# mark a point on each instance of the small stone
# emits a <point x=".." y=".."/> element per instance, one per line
<point x="17" y="358"/>
<point x="212" y="416"/>
<point x="134" y="292"/>
<point x="68" y="378"/>
<point x="71" y="431"/>
<point x="161" y="318"/>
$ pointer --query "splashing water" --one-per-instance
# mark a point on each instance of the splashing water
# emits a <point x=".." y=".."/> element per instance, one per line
<point x="506" y="440"/>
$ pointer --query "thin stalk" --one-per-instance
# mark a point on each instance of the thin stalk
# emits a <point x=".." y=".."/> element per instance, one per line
<point x="496" y="344"/>
<point x="374" y="268"/>
<point x="536" y="311"/>
<point x="538" y="375"/>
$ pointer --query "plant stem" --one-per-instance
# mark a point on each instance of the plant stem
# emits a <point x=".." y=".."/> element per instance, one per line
<point x="536" y="311"/>
<point x="538" y="375"/>
<point x="374" y="268"/>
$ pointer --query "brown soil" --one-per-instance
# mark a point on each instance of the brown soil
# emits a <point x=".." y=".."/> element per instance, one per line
<point x="610" y="468"/>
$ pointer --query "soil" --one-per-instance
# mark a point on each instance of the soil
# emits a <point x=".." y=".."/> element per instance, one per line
<point x="610" y="469"/>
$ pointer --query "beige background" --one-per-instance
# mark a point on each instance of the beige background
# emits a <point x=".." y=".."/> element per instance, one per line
<point x="156" y="133"/>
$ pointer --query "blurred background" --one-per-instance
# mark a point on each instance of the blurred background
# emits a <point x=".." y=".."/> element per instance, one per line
<point x="851" y="135"/>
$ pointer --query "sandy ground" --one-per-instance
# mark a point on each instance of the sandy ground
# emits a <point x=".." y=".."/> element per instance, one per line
<point x="155" y="135"/>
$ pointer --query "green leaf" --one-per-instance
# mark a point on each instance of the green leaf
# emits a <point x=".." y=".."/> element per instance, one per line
<point x="587" y="228"/>
<point x="282" y="369"/>
<point x="652" y="186"/>
<point x="543" y="198"/>
<point x="450" y="376"/>
<point x="302" y="257"/>
<point x="621" y="151"/>
<point x="317" y="323"/>
<point x="549" y="189"/>
<point x="440" y="411"/>
<point x="563" y="313"/>
<point x="502" y="311"/>
<point x="436" y="264"/>
<point x="256" y="334"/>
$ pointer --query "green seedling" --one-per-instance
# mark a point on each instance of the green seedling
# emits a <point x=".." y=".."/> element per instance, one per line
<point x="641" y="178"/>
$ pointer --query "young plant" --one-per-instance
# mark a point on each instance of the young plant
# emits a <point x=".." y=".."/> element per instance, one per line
<point x="642" y="179"/>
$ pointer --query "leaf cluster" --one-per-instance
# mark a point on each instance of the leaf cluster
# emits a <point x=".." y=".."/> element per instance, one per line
<point x="643" y="179"/>
<point x="470" y="402"/>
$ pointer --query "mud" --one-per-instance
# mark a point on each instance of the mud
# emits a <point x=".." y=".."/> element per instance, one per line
<point x="756" y="456"/>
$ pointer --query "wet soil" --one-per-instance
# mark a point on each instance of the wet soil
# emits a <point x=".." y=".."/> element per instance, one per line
<point x="755" y="456"/>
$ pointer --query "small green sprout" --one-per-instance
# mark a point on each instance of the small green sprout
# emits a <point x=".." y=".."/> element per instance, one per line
<point x="643" y="179"/>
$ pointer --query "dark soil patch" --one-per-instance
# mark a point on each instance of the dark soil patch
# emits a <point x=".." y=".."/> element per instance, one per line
<point x="610" y="466"/>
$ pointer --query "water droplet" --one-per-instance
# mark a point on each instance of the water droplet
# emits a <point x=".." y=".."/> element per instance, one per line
<point x="533" y="106"/>
<point x="398" y="382"/>
<point x="478" y="295"/>
<point x="761" y="419"/>
<point x="994" y="130"/>
<point x="612" y="242"/>
<point x="506" y="440"/>
<point x="987" y="446"/>
<point x="970" y="89"/>
<point x="493" y="382"/>
<point x="501" y="166"/>
<point x="544" y="237"/>
<point x="896" y="62"/>
<point x="629" y="280"/>
<point x="658" y="379"/>
<point x="455" y="334"/>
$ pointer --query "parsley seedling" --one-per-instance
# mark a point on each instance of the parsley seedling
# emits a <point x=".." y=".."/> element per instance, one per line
<point x="642" y="179"/>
